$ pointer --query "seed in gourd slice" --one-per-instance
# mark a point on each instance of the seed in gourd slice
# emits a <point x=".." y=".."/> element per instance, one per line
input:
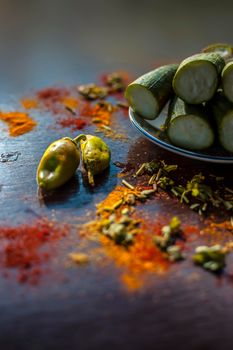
<point x="222" y="110"/>
<point x="148" y="94"/>
<point x="188" y="126"/>
<point x="197" y="77"/>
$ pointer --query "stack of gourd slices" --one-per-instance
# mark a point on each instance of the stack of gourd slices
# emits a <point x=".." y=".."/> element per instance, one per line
<point x="200" y="91"/>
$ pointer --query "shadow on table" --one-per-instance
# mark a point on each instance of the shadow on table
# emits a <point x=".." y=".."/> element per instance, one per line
<point x="77" y="192"/>
<point x="144" y="151"/>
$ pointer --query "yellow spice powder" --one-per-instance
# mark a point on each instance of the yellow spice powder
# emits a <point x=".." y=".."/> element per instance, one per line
<point x="19" y="123"/>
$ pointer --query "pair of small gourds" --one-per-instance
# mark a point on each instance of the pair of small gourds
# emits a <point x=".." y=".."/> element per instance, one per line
<point x="62" y="158"/>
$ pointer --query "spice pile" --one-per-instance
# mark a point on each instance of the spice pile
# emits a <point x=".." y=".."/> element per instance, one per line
<point x="139" y="244"/>
<point x="84" y="105"/>
<point x="133" y="242"/>
<point x="19" y="123"/>
<point x="25" y="248"/>
<point x="75" y="107"/>
<point x="201" y="193"/>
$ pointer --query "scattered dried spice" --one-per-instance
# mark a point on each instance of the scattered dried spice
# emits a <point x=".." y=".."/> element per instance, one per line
<point x="122" y="197"/>
<point x="99" y="114"/>
<point x="139" y="245"/>
<point x="27" y="247"/>
<point x="19" y="123"/>
<point x="167" y="239"/>
<point x="29" y="103"/>
<point x="140" y="257"/>
<point x="199" y="193"/>
<point x="75" y="123"/>
<point x="79" y="258"/>
<point x="218" y="228"/>
<point x="116" y="81"/>
<point x="210" y="258"/>
<point x="53" y="98"/>
<point x="113" y="198"/>
<point x="71" y="103"/>
<point x="75" y="106"/>
<point x="127" y="184"/>
<point x="129" y="239"/>
<point x="92" y="91"/>
<point x="52" y="94"/>
<point x="102" y="113"/>
<point x="174" y="253"/>
<point x="206" y="196"/>
<point x="122" y="230"/>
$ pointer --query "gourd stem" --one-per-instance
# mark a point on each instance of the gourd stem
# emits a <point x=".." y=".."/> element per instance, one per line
<point x="78" y="138"/>
<point x="90" y="178"/>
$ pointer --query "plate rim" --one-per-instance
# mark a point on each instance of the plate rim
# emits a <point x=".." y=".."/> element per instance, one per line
<point x="172" y="148"/>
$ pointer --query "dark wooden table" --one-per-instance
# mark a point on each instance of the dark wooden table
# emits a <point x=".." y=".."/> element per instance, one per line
<point x="44" y="43"/>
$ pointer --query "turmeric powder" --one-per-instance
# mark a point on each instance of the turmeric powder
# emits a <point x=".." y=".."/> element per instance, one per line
<point x="29" y="103"/>
<point x="135" y="255"/>
<point x="19" y="123"/>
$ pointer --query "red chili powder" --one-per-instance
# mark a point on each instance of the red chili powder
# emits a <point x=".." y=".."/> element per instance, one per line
<point x="51" y="96"/>
<point x="52" y="93"/>
<point x="88" y="113"/>
<point x="86" y="109"/>
<point x="74" y="122"/>
<point x="26" y="247"/>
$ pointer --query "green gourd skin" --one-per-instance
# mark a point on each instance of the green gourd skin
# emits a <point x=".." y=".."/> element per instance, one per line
<point x="223" y="49"/>
<point x="227" y="80"/>
<point x="189" y="126"/>
<point x="58" y="164"/>
<point x="198" y="77"/>
<point x="96" y="156"/>
<point x="222" y="111"/>
<point x="156" y="86"/>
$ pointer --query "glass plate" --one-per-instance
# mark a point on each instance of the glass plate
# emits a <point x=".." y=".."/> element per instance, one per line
<point x="152" y="130"/>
